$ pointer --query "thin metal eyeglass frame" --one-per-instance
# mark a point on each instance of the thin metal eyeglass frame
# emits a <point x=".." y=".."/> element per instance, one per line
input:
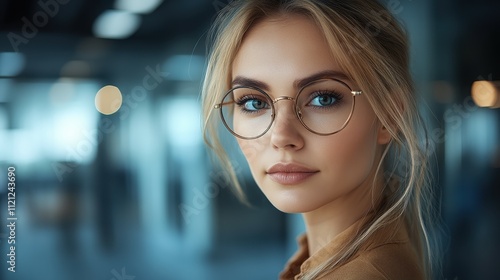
<point x="296" y="108"/>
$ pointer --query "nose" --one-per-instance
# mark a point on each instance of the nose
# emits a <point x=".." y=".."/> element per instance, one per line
<point x="286" y="130"/>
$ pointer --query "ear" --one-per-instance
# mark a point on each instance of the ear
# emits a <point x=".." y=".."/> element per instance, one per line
<point x="383" y="137"/>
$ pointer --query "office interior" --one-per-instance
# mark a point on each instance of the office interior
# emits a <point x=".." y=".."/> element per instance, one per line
<point x="135" y="194"/>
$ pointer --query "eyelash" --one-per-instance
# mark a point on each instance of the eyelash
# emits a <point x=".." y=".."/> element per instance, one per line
<point x="242" y="100"/>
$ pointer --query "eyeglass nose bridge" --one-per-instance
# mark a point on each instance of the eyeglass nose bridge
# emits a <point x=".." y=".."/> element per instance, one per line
<point x="282" y="98"/>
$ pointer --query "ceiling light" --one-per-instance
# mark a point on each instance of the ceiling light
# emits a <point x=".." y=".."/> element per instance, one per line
<point x="139" y="7"/>
<point x="113" y="24"/>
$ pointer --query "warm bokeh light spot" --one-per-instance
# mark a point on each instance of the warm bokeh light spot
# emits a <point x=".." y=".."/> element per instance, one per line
<point x="486" y="93"/>
<point x="108" y="100"/>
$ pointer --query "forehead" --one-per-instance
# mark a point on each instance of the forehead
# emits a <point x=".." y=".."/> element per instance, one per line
<point x="283" y="48"/>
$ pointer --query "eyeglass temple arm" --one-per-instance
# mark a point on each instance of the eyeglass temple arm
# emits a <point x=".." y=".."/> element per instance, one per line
<point x="218" y="106"/>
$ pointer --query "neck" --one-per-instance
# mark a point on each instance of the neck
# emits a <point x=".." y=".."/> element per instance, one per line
<point x="325" y="223"/>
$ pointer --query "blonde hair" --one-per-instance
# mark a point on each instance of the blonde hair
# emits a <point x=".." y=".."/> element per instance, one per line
<point x="372" y="49"/>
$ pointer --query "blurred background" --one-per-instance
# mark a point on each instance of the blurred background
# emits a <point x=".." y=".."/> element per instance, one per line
<point x="134" y="195"/>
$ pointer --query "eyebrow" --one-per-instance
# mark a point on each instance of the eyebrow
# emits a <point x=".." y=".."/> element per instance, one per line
<point x="299" y="83"/>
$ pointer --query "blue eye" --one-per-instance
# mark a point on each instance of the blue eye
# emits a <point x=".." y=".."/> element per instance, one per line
<point x="255" y="105"/>
<point x="322" y="100"/>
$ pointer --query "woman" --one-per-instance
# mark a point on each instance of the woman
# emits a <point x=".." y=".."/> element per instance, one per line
<point x="319" y="97"/>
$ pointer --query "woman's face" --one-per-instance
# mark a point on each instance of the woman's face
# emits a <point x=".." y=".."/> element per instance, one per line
<point x="296" y="169"/>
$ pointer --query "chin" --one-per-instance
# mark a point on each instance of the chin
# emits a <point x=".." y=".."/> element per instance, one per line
<point x="292" y="203"/>
<point x="289" y="209"/>
<point x="290" y="199"/>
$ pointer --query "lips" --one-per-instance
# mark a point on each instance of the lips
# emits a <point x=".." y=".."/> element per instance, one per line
<point x="289" y="173"/>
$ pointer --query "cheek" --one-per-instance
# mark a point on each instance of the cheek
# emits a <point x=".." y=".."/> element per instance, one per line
<point x="252" y="150"/>
<point x="255" y="155"/>
<point x="351" y="155"/>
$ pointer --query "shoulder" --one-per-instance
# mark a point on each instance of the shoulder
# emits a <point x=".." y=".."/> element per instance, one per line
<point x="390" y="261"/>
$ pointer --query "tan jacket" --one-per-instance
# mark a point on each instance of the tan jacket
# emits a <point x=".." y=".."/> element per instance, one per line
<point x="387" y="254"/>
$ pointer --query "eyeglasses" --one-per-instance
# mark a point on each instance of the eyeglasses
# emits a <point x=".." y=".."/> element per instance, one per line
<point x="323" y="107"/>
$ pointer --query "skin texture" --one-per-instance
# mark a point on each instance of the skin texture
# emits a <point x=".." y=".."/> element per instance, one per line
<point x="277" y="52"/>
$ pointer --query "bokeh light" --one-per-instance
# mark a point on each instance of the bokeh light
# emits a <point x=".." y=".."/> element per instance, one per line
<point x="108" y="100"/>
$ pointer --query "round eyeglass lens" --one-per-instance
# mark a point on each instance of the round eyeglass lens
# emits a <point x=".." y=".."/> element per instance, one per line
<point x="247" y="112"/>
<point x="325" y="106"/>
